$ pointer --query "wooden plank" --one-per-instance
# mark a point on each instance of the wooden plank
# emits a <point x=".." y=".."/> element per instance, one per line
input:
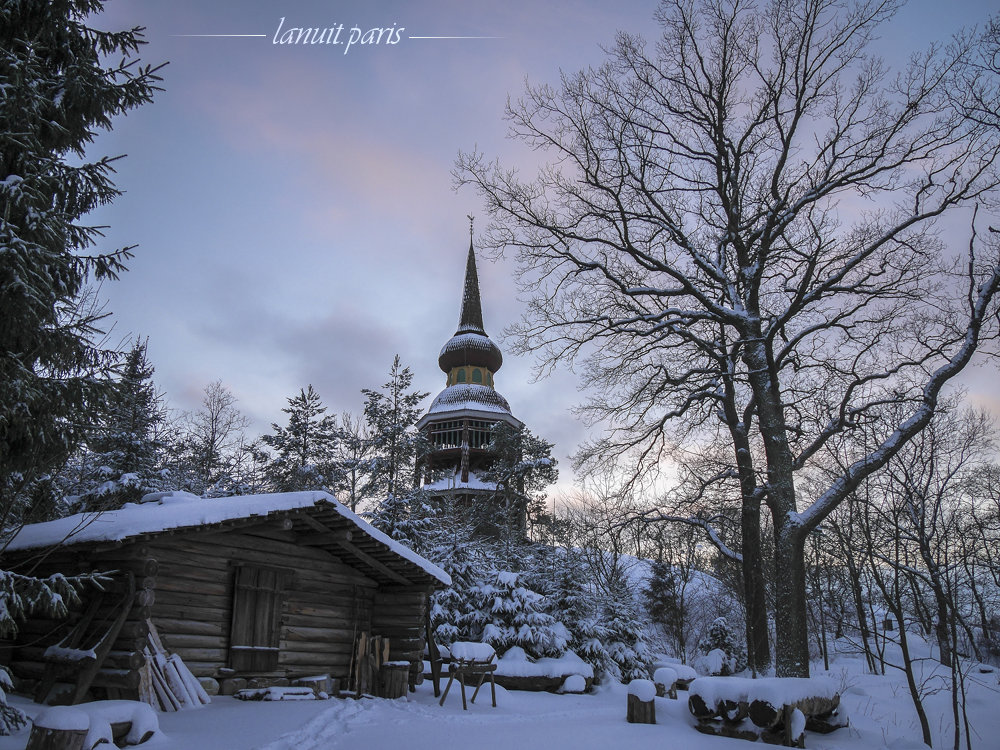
<point x="179" y="626"/>
<point x="371" y="562"/>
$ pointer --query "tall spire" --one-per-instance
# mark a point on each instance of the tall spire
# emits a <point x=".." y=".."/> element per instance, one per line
<point x="471" y="319"/>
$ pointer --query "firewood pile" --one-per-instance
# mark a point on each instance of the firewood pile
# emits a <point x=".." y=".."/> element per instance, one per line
<point x="776" y="710"/>
<point x="165" y="682"/>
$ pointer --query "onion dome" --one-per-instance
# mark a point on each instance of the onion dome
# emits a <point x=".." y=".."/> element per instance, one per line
<point x="470" y="346"/>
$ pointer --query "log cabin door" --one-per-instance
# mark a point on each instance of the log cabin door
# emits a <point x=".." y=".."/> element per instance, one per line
<point x="255" y="634"/>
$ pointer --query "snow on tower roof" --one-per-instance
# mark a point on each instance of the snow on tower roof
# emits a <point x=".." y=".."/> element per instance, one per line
<point x="455" y="482"/>
<point x="168" y="512"/>
<point x="469" y="396"/>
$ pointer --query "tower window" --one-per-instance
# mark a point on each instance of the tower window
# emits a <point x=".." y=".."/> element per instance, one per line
<point x="477" y="376"/>
<point x="446" y="434"/>
<point x="460" y="378"/>
<point x="479" y="433"/>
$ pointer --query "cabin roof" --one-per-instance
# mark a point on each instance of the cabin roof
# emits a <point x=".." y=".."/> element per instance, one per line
<point x="318" y="516"/>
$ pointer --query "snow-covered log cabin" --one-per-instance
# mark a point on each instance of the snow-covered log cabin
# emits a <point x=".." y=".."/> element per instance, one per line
<point x="264" y="586"/>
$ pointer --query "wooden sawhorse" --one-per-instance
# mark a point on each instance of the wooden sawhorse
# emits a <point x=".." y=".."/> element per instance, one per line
<point x="471" y="668"/>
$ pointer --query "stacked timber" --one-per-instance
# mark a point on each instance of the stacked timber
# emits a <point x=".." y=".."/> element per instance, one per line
<point x="778" y="710"/>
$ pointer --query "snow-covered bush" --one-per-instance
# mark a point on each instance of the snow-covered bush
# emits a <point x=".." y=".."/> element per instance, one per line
<point x="722" y="653"/>
<point x="511" y="614"/>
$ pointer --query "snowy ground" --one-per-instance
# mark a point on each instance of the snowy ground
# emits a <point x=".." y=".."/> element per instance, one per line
<point x="880" y="710"/>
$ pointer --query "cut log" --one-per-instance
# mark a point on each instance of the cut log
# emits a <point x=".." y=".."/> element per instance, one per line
<point x="640" y="711"/>
<point x="826" y="724"/>
<point x="699" y="709"/>
<point x="56" y="739"/>
<point x="393" y="680"/>
<point x="767" y="716"/>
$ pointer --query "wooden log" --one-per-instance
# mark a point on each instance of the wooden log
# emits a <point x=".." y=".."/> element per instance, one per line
<point x="218" y="655"/>
<point x="172" y="626"/>
<point x="701" y="710"/>
<point x="177" y="641"/>
<point x="56" y="739"/>
<point x="126" y="679"/>
<point x="767" y="716"/>
<point x="826" y="724"/>
<point x="316" y="634"/>
<point x="727" y="730"/>
<point x="393" y="680"/>
<point x="640" y="711"/>
<point x="314" y="660"/>
<point x="124" y="660"/>
<point x="166" y="609"/>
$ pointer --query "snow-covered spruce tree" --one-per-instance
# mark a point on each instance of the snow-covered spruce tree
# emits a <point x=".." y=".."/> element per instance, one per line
<point x="509" y="613"/>
<point x="125" y="453"/>
<point x="305" y="449"/>
<point x="453" y="608"/>
<point x="61" y="82"/>
<point x="561" y="574"/>
<point x="660" y="597"/>
<point x="624" y="636"/>
<point x="719" y="637"/>
<point x="522" y="468"/>
<point x="390" y="415"/>
<point x="57" y="93"/>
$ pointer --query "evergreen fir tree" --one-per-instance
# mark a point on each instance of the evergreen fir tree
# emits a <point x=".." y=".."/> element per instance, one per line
<point x="624" y="637"/>
<point x="61" y="83"/>
<point x="660" y="596"/>
<point x="522" y="468"/>
<point x="509" y="614"/>
<point x="391" y="415"/>
<point x="305" y="448"/>
<point x="125" y="454"/>
<point x="719" y="636"/>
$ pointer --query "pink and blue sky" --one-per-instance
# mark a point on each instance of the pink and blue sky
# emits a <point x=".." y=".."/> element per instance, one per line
<point x="293" y="205"/>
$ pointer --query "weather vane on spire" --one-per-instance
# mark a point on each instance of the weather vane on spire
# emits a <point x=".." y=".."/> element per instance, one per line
<point x="472" y="220"/>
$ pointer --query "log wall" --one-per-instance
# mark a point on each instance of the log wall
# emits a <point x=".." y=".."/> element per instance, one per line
<point x="119" y="675"/>
<point x="324" y="603"/>
<point x="185" y="585"/>
<point x="400" y="614"/>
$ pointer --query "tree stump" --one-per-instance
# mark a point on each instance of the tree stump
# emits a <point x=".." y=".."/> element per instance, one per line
<point x="60" y="728"/>
<point x="393" y="679"/>
<point x="640" y="711"/>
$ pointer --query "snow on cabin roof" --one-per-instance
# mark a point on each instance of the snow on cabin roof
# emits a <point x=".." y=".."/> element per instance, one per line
<point x="182" y="510"/>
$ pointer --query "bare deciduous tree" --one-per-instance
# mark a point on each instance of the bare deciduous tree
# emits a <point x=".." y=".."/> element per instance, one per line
<point x="744" y="215"/>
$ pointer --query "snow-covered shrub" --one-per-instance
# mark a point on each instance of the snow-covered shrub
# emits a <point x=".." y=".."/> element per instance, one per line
<point x="511" y="614"/>
<point x="628" y="653"/>
<point x="720" y="638"/>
